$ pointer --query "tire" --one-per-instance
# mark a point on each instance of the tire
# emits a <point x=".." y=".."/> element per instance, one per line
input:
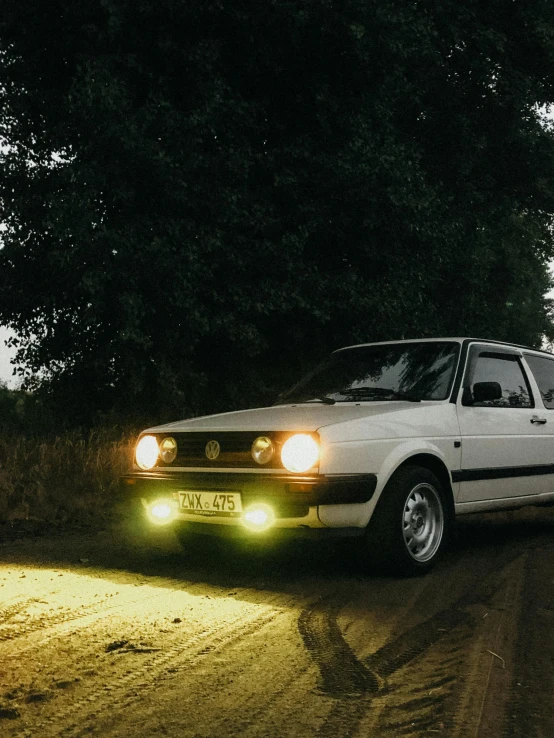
<point x="408" y="531"/>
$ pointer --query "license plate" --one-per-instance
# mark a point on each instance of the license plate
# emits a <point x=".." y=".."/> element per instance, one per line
<point x="211" y="503"/>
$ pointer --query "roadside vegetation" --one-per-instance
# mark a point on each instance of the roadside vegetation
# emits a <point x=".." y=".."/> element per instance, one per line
<point x="57" y="479"/>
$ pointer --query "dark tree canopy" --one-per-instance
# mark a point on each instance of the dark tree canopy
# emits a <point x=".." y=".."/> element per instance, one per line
<point x="202" y="197"/>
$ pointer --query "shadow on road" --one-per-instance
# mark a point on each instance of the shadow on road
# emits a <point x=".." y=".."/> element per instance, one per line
<point x="274" y="565"/>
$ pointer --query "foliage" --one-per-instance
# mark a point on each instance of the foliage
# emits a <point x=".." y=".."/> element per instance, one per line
<point x="25" y="413"/>
<point x="202" y="197"/>
<point x="68" y="479"/>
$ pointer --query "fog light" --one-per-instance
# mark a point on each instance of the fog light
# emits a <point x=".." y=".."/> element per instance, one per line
<point x="162" y="511"/>
<point x="258" y="517"/>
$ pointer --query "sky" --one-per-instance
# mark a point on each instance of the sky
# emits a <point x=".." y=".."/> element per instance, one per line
<point x="6" y="354"/>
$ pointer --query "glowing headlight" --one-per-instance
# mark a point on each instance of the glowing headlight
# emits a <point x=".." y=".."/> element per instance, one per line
<point x="262" y="450"/>
<point x="299" y="453"/>
<point x="168" y="450"/>
<point x="146" y="452"/>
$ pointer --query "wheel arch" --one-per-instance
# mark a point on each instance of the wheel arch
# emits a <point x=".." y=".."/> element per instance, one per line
<point x="385" y="460"/>
<point x="437" y="466"/>
<point x="395" y="538"/>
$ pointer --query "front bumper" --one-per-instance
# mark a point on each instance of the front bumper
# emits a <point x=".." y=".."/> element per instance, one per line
<point x="290" y="496"/>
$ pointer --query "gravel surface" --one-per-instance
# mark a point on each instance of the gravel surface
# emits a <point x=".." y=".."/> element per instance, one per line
<point x="122" y="634"/>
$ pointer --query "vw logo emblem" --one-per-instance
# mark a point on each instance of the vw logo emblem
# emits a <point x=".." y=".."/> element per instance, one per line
<point x="212" y="450"/>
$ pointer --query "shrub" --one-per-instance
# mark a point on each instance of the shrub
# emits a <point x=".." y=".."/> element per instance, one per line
<point x="69" y="479"/>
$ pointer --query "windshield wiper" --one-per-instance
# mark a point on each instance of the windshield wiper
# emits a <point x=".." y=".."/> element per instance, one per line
<point x="322" y="398"/>
<point x="379" y="393"/>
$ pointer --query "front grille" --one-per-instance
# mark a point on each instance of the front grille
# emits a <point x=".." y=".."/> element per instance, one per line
<point x="235" y="447"/>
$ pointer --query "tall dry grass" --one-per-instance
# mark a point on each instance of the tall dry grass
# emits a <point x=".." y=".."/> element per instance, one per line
<point x="72" y="479"/>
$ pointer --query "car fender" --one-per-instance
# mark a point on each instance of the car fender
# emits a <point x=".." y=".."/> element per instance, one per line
<point x="388" y="461"/>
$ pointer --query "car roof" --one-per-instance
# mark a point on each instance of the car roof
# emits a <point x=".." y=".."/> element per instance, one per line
<point x="457" y="339"/>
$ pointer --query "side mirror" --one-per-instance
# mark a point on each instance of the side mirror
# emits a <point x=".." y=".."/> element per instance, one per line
<point x="486" y="392"/>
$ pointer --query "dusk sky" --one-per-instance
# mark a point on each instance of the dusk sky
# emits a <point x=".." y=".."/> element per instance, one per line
<point x="6" y="354"/>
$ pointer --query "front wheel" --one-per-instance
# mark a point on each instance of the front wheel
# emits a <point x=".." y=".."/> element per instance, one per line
<point x="408" y="530"/>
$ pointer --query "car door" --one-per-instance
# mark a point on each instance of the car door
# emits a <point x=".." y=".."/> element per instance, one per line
<point x="541" y="369"/>
<point x="503" y="448"/>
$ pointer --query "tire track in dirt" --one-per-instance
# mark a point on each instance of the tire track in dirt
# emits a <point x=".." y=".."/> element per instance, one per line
<point x="129" y="688"/>
<point x="531" y="706"/>
<point x="69" y="616"/>
<point x="82" y="615"/>
<point x="266" y="689"/>
<point x="257" y="717"/>
<point x="416" y="641"/>
<point x="426" y="707"/>
<point x="367" y="679"/>
<point x="341" y="673"/>
<point x="12" y="611"/>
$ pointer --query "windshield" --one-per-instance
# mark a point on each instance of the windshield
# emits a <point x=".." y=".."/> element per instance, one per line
<point x="394" y="371"/>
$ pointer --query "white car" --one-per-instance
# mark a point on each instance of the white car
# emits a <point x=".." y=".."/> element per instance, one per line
<point x="385" y="441"/>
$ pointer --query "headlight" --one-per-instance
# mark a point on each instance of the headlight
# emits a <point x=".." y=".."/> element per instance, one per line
<point x="300" y="453"/>
<point x="262" y="450"/>
<point x="168" y="450"/>
<point x="146" y="452"/>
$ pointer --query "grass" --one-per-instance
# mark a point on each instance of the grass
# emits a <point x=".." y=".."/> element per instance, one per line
<point x="68" y="480"/>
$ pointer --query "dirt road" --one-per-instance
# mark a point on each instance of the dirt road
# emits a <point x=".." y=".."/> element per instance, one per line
<point x="103" y="635"/>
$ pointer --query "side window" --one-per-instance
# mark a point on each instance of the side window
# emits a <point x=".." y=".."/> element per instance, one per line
<point x="496" y="369"/>
<point x="543" y="371"/>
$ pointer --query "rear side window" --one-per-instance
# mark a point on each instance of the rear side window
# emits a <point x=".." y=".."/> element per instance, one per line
<point x="504" y="369"/>
<point x="543" y="371"/>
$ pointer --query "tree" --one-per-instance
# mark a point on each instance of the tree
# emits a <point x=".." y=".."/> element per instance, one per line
<point x="203" y="197"/>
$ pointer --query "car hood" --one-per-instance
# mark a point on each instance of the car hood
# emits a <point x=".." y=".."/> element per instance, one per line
<point x="299" y="417"/>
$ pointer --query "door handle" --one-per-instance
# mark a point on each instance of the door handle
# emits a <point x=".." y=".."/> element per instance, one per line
<point x="538" y="421"/>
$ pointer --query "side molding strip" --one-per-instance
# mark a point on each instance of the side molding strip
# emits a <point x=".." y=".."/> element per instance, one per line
<point x="501" y="472"/>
